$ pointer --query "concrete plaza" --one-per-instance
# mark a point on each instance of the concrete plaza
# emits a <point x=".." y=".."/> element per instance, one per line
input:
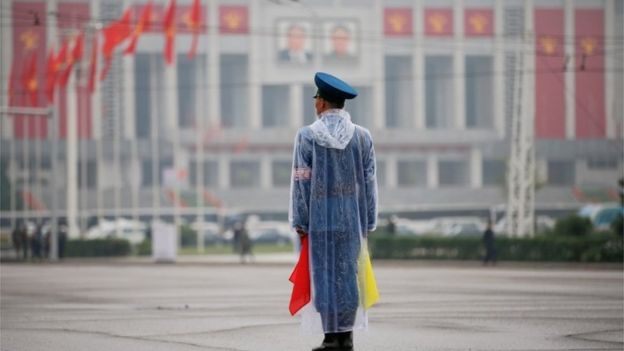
<point x="210" y="305"/>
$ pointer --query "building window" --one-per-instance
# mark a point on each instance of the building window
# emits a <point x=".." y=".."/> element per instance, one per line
<point x="412" y="173"/>
<point x="275" y="106"/>
<point x="453" y="173"/>
<point x="244" y="174"/>
<point x="479" y="92"/>
<point x="599" y="164"/>
<point x="147" y="178"/>
<point x="211" y="173"/>
<point x="561" y="172"/>
<point x="493" y="172"/>
<point x="233" y="86"/>
<point x="186" y="92"/>
<point x="87" y="174"/>
<point x="142" y="94"/>
<point x="439" y="91"/>
<point x="309" y="112"/>
<point x="361" y="108"/>
<point x="281" y="173"/>
<point x="399" y="91"/>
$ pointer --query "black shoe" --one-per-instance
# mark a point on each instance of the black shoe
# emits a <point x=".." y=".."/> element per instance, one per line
<point x="336" y="342"/>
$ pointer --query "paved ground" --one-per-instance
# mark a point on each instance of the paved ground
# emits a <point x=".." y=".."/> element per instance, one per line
<point x="204" y="305"/>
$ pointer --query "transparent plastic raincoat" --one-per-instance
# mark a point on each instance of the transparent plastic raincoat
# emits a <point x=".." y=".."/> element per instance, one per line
<point x="334" y="199"/>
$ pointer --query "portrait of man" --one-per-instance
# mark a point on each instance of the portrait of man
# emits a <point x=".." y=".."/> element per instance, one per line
<point x="294" y="42"/>
<point x="340" y="42"/>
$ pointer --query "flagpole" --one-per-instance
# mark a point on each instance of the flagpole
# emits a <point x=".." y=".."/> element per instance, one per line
<point x="199" y="170"/>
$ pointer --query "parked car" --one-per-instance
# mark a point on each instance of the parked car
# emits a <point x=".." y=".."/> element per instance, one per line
<point x="455" y="226"/>
<point x="601" y="215"/>
<point x="131" y="230"/>
<point x="542" y="224"/>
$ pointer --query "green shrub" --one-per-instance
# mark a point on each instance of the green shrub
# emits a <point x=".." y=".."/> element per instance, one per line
<point x="144" y="248"/>
<point x="573" y="226"/>
<point x="593" y="248"/>
<point x="97" y="248"/>
<point x="618" y="226"/>
<point x="189" y="236"/>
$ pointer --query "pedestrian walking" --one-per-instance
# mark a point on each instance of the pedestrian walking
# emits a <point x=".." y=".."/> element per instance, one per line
<point x="16" y="239"/>
<point x="490" y="246"/>
<point x="244" y="243"/>
<point x="333" y="207"/>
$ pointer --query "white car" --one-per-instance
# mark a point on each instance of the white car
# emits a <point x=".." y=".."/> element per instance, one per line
<point x="133" y="231"/>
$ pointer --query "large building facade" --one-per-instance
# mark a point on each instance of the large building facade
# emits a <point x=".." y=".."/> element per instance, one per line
<point x="436" y="81"/>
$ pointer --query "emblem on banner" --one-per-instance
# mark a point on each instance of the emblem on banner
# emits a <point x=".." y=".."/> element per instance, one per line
<point x="478" y="22"/>
<point x="588" y="45"/>
<point x="30" y="39"/>
<point x="397" y="23"/>
<point x="548" y="44"/>
<point x="232" y="20"/>
<point x="437" y="22"/>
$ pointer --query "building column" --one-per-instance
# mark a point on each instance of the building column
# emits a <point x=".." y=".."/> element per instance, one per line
<point x="255" y="89"/>
<point x="499" y="66"/>
<point x="224" y="172"/>
<point x="432" y="171"/>
<point x="609" y="31"/>
<point x="570" y="99"/>
<point x="458" y="66"/>
<point x="6" y="62"/>
<point x="392" y="178"/>
<point x="476" y="169"/>
<point x="265" y="172"/>
<point x="379" y="89"/>
<point x="96" y="127"/>
<point x="296" y="105"/>
<point x="418" y="68"/>
<point x="214" y="63"/>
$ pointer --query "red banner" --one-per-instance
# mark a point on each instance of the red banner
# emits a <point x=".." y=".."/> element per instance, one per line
<point x="73" y="16"/>
<point x="550" y="79"/>
<point x="478" y="23"/>
<point x="398" y="22"/>
<point x="589" y="80"/>
<point x="184" y="23"/>
<point x="29" y="43"/>
<point x="233" y="19"/>
<point x="439" y="22"/>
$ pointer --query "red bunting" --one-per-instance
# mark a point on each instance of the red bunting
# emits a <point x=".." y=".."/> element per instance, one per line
<point x="93" y="65"/>
<point x="29" y="80"/>
<point x="51" y="75"/>
<point x="169" y="31"/>
<point x="115" y="34"/>
<point x="195" y="22"/>
<point x="300" y="278"/>
<point x="143" y="26"/>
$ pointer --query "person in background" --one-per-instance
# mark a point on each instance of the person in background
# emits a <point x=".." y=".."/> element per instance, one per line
<point x="490" y="247"/>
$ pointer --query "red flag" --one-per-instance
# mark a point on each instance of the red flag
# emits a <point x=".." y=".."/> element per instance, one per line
<point x="11" y="82"/>
<point x="51" y="75"/>
<point x="114" y="34"/>
<point x="169" y="28"/>
<point x="29" y="80"/>
<point x="143" y="25"/>
<point x="78" y="48"/>
<point x="93" y="64"/>
<point x="195" y="22"/>
<point x="300" y="278"/>
<point x="66" y="61"/>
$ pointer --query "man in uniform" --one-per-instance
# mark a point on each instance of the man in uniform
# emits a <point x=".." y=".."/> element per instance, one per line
<point x="334" y="204"/>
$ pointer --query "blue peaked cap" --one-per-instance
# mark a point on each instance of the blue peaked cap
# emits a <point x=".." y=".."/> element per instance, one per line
<point x="332" y="88"/>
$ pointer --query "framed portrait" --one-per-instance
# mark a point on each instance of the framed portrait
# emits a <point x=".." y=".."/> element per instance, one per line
<point x="295" y="44"/>
<point x="340" y="40"/>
